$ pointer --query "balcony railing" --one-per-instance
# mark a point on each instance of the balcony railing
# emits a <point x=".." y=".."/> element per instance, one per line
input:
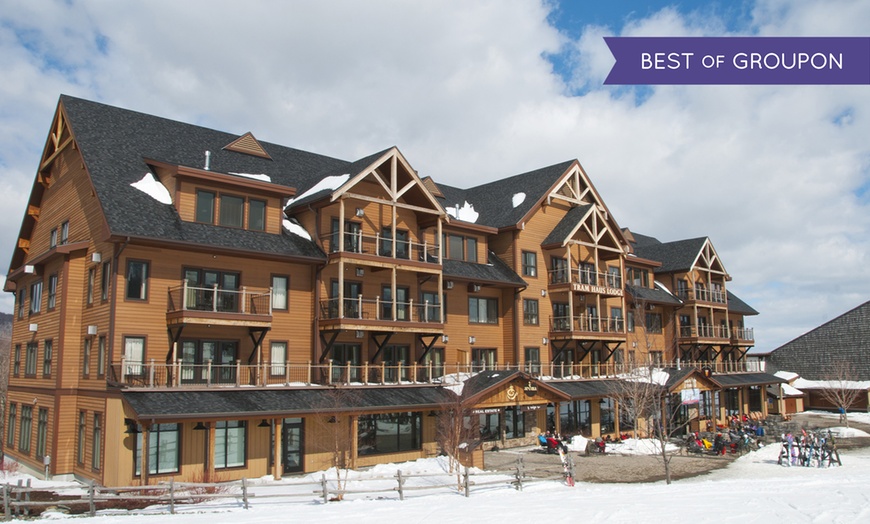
<point x="584" y="276"/>
<point x="381" y="246"/>
<point x="181" y="375"/>
<point x="704" y="331"/>
<point x="702" y="294"/>
<point x="589" y="324"/>
<point x="246" y="301"/>
<point x="379" y="309"/>
<point x="743" y="333"/>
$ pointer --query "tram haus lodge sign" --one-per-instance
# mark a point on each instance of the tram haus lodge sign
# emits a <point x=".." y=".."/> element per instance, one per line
<point x="601" y="290"/>
<point x="739" y="60"/>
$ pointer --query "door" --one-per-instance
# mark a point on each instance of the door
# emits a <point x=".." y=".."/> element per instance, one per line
<point x="195" y="358"/>
<point x="292" y="450"/>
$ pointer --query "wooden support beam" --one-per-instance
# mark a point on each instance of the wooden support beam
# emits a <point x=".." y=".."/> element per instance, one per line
<point x="327" y="344"/>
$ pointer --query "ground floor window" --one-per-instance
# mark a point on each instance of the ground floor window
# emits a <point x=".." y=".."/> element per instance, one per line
<point x="575" y="417"/>
<point x="389" y="433"/>
<point x="229" y="444"/>
<point x="41" y="432"/>
<point x="489" y="426"/>
<point x="732" y="402"/>
<point x="755" y="398"/>
<point x="515" y="423"/>
<point x="608" y="419"/>
<point x="163" y="449"/>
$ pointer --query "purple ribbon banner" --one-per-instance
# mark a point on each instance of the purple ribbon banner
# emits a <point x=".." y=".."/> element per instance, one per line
<point x="739" y="60"/>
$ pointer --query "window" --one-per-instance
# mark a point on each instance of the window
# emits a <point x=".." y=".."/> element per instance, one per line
<point x="257" y="215"/>
<point x="629" y="322"/>
<point x="46" y="357"/>
<point x="614" y="276"/>
<point x="608" y="422"/>
<point x="561" y="317"/>
<point x="204" y="207"/>
<point x="344" y="356"/>
<point x="107" y="281"/>
<point x="10" y="426"/>
<point x="484" y="358"/>
<point x="482" y="310"/>
<point x="41" y="431"/>
<point x="20" y="303"/>
<point x="26" y="429"/>
<point x="280" y="285"/>
<point x="588" y="275"/>
<point x="80" y="444"/>
<point x="489" y="426"/>
<point x="616" y="323"/>
<point x="36" y="297"/>
<point x="655" y="357"/>
<point x="101" y="356"/>
<point x="96" y="444"/>
<point x="52" y="291"/>
<point x="389" y="433"/>
<point x="16" y="361"/>
<point x="137" y="280"/>
<point x="558" y="270"/>
<point x="431" y="306"/>
<point x="163" y="449"/>
<point x="86" y="355"/>
<point x="134" y="355"/>
<point x="514" y="422"/>
<point x="64" y="233"/>
<point x="92" y="277"/>
<point x="229" y="444"/>
<point x="278" y="352"/>
<point x="471" y="249"/>
<point x="638" y="277"/>
<point x="395" y="356"/>
<point x="403" y="243"/>
<point x="435" y="359"/>
<point x="352" y="236"/>
<point x="30" y="359"/>
<point x="201" y="294"/>
<point x="455" y="247"/>
<point x="533" y="360"/>
<point x="232" y="210"/>
<point x="654" y="322"/>
<point x="52" y="239"/>
<point x="530" y="311"/>
<point x="403" y="305"/>
<point x="530" y="264"/>
<point x="575" y="417"/>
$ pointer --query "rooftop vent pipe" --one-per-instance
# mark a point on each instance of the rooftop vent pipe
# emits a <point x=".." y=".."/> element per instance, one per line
<point x="207" y="159"/>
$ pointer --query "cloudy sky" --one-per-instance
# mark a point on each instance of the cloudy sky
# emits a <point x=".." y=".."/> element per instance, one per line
<point x="777" y="176"/>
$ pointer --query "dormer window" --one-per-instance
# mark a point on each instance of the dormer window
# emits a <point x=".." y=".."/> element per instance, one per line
<point x="64" y="232"/>
<point x="232" y="211"/>
<point x="229" y="210"/>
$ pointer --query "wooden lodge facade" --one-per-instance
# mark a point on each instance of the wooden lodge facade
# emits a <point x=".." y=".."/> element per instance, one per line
<point x="201" y="305"/>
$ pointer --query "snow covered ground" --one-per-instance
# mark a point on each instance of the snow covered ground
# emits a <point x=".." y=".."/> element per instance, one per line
<point x="753" y="488"/>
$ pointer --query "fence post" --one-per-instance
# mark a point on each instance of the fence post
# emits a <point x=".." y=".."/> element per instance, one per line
<point x="520" y="472"/>
<point x="325" y="488"/>
<point x="401" y="482"/>
<point x="466" y="483"/>
<point x="92" y="506"/>
<point x="27" y="498"/>
<point x="245" y="491"/>
<point x="6" y="502"/>
<point x="172" y="495"/>
<point x="16" y="508"/>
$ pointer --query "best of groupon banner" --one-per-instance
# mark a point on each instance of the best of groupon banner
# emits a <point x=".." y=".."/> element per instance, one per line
<point x="739" y="60"/>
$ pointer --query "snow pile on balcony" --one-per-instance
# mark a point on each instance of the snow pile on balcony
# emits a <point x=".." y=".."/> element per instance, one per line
<point x="293" y="227"/>
<point x="330" y="183"/>
<point x="518" y="199"/>
<point x="153" y="188"/>
<point x="465" y="212"/>
<point x="264" y="178"/>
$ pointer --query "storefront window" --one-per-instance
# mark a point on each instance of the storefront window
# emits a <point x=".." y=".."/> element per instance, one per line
<point x="389" y="433"/>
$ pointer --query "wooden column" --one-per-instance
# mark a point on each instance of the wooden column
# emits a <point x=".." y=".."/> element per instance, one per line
<point x="276" y="434"/>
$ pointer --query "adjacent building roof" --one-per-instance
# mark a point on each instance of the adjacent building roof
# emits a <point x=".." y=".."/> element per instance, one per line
<point x="654" y="295"/>
<point x="811" y="355"/>
<point x="736" y="305"/>
<point x="674" y="256"/>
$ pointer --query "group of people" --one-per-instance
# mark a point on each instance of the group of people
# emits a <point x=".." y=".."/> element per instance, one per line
<point x="552" y="443"/>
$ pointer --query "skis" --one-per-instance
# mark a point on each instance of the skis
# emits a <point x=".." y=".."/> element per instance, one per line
<point x="567" y="466"/>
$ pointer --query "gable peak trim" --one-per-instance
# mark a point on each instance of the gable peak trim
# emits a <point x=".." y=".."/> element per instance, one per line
<point x="247" y="144"/>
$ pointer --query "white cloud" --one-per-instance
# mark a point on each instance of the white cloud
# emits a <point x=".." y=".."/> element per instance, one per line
<point x="771" y="173"/>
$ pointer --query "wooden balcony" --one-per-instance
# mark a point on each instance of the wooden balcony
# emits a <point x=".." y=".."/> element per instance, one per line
<point x="702" y="295"/>
<point x="584" y="281"/>
<point x="247" y="307"/>
<point x="374" y="313"/>
<point x="585" y="327"/>
<point x="705" y="333"/>
<point x="742" y="336"/>
<point x="380" y="250"/>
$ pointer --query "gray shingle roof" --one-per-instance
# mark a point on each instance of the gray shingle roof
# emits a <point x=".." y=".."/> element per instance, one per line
<point x="585" y="389"/>
<point x="115" y="144"/>
<point x="846" y="337"/>
<point x="566" y="225"/>
<point x="674" y="256"/>
<point x="494" y="201"/>
<point x="736" y="305"/>
<point x="495" y="271"/>
<point x="731" y="380"/>
<point x="656" y="295"/>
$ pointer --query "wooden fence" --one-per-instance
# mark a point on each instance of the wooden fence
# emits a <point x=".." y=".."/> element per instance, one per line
<point x="17" y="498"/>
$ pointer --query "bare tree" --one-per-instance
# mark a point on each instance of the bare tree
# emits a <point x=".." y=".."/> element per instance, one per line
<point x="457" y="431"/>
<point x="337" y="430"/>
<point x="5" y="356"/>
<point x="840" y="387"/>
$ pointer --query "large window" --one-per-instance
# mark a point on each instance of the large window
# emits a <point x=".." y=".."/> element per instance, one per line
<point x="278" y="352"/>
<point x="654" y="322"/>
<point x="134" y="355"/>
<point x="97" y="442"/>
<point x="346" y="359"/>
<point x="489" y="426"/>
<point x="638" y="277"/>
<point x="394" y="356"/>
<point x="530" y="264"/>
<point x="52" y="291"/>
<point x="530" y="311"/>
<point x="163" y="449"/>
<point x="575" y="417"/>
<point x="280" y="286"/>
<point x="482" y="310"/>
<point x="36" y="297"/>
<point x="232" y="211"/>
<point x="484" y="358"/>
<point x="26" y="429"/>
<point x="204" y="207"/>
<point x="201" y="289"/>
<point x="10" y="425"/>
<point x="47" y="351"/>
<point x="30" y="359"/>
<point x="389" y="433"/>
<point x="403" y="243"/>
<point x="608" y="421"/>
<point x="256" y="215"/>
<point x="41" y="432"/>
<point x="137" y="280"/>
<point x="514" y="422"/>
<point x="458" y="247"/>
<point x="229" y="444"/>
<point x="533" y="360"/>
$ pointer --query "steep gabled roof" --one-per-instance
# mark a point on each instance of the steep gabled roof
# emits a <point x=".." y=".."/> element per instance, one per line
<point x="736" y="305"/>
<point x="495" y="271"/>
<point x="567" y="225"/>
<point x="679" y="255"/>
<point x="116" y="144"/>
<point x="846" y="337"/>
<point x="654" y="295"/>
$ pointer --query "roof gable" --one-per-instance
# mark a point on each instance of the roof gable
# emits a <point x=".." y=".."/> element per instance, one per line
<point x="248" y="145"/>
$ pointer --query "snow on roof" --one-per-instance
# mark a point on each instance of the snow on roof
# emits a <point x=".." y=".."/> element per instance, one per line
<point x="663" y="288"/>
<point x="264" y="178"/>
<point x="466" y="212"/>
<point x="296" y="229"/>
<point x="653" y="376"/>
<point x="786" y="375"/>
<point x="518" y="199"/>
<point x="331" y="183"/>
<point x="153" y="188"/>
<point x="802" y="383"/>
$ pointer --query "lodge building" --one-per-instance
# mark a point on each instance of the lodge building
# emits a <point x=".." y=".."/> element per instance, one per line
<point x="195" y="304"/>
